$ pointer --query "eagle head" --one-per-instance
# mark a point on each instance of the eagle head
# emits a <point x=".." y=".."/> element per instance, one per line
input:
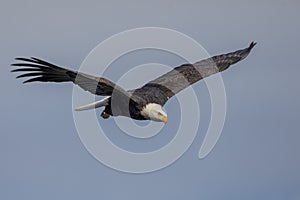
<point x="154" y="112"/>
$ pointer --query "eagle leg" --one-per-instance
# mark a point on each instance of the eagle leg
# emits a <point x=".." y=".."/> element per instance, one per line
<point x="104" y="115"/>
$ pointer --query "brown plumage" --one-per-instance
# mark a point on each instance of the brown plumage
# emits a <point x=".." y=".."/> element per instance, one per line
<point x="130" y="103"/>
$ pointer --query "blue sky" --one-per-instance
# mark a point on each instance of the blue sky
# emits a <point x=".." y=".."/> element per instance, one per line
<point x="257" y="156"/>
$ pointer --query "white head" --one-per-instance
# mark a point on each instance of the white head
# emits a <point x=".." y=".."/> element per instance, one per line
<point x="154" y="112"/>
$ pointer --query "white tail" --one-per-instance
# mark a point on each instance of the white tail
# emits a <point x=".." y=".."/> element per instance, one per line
<point x="97" y="104"/>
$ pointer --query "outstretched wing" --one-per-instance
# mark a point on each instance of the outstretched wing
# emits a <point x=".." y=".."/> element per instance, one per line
<point x="169" y="84"/>
<point x="39" y="70"/>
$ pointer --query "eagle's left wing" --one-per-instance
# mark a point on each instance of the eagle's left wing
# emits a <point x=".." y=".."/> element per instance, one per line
<point x="43" y="71"/>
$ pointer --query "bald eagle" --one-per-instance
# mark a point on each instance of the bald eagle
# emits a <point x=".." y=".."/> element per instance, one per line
<point x="144" y="103"/>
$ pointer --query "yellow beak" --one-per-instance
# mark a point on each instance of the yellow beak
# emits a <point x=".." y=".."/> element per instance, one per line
<point x="165" y="120"/>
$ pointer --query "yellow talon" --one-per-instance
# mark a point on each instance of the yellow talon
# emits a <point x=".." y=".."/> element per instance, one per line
<point x="104" y="115"/>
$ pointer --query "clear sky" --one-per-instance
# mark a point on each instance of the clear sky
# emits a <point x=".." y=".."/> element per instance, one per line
<point x="257" y="156"/>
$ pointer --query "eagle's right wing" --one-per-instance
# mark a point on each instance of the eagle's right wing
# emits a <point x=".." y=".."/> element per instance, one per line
<point x="169" y="84"/>
<point x="39" y="70"/>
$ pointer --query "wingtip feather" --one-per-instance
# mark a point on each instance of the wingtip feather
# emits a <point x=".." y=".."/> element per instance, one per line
<point x="252" y="45"/>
